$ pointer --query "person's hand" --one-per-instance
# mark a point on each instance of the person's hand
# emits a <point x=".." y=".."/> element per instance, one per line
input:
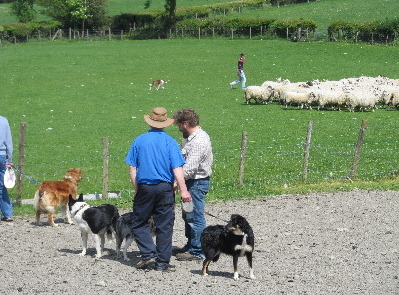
<point x="9" y="165"/>
<point x="185" y="196"/>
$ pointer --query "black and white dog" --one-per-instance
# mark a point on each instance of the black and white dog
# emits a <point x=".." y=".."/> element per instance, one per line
<point x="98" y="220"/>
<point x="123" y="233"/>
<point x="235" y="239"/>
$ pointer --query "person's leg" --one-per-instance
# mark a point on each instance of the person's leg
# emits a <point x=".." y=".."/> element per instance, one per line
<point x="142" y="210"/>
<point x="164" y="218"/>
<point x="5" y="203"/>
<point x="235" y="82"/>
<point x="243" y="80"/>
<point x="196" y="220"/>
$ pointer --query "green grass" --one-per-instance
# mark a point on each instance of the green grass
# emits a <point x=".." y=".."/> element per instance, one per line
<point x="324" y="12"/>
<point x="123" y="6"/>
<point x="72" y="94"/>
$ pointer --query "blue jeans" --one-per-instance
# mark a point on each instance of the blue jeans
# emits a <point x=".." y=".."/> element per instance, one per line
<point x="5" y="204"/>
<point x="241" y="78"/>
<point x="158" y="201"/>
<point x="194" y="222"/>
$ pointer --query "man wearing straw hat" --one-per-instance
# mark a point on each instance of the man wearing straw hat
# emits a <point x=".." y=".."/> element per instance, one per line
<point x="155" y="163"/>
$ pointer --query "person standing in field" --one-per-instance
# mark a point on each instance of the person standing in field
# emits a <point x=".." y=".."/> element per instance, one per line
<point x="6" y="150"/>
<point x="155" y="163"/>
<point x="240" y="73"/>
<point x="197" y="152"/>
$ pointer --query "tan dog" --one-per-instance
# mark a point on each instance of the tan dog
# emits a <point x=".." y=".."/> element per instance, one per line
<point x="51" y="194"/>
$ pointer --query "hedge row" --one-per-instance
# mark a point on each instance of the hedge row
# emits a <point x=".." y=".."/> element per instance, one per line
<point x="20" y="30"/>
<point x="132" y="20"/>
<point x="282" y="28"/>
<point x="383" y="31"/>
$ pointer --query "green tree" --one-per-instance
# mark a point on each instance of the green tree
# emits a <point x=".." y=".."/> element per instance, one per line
<point x="170" y="9"/>
<point x="23" y="10"/>
<point x="76" y="14"/>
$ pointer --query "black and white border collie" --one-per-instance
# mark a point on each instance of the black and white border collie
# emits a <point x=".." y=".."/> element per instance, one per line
<point x="157" y="84"/>
<point x="236" y="239"/>
<point x="98" y="220"/>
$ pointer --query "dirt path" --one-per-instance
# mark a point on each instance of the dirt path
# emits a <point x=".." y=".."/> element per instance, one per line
<point x="342" y="243"/>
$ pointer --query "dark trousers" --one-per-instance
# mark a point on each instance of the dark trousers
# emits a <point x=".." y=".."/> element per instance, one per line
<point x="158" y="201"/>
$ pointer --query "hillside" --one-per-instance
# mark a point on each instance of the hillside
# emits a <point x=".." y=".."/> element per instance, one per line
<point x="323" y="12"/>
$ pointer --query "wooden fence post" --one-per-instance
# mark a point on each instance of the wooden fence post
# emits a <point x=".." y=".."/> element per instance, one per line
<point x="105" y="168"/>
<point x="21" y="162"/>
<point x="358" y="148"/>
<point x="307" y="151"/>
<point x="242" y="160"/>
<point x="109" y="34"/>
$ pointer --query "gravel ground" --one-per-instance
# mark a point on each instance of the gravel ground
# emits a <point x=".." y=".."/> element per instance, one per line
<point x="341" y="243"/>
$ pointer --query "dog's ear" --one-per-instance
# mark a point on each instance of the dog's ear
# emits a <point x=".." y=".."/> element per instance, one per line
<point x="80" y="199"/>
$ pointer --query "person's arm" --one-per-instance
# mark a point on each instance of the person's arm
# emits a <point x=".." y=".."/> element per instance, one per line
<point x="9" y="146"/>
<point x="133" y="174"/>
<point x="179" y="176"/>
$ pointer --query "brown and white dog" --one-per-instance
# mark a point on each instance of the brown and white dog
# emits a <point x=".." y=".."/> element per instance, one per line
<point x="157" y="84"/>
<point x="51" y="194"/>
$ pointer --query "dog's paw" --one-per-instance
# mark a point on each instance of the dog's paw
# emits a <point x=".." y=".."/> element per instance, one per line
<point x="236" y="276"/>
<point x="82" y="254"/>
<point x="126" y="259"/>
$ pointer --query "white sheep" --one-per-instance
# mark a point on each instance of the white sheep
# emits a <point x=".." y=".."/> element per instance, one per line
<point x="362" y="99"/>
<point x="300" y="98"/>
<point x="258" y="94"/>
<point x="329" y="98"/>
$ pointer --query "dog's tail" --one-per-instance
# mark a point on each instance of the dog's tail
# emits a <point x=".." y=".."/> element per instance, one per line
<point x="38" y="196"/>
<point x="42" y="201"/>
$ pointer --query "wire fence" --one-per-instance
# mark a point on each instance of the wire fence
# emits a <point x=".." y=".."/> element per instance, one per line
<point x="273" y="162"/>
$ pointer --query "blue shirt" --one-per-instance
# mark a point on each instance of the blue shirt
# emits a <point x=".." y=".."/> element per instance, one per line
<point x="6" y="147"/>
<point x="155" y="154"/>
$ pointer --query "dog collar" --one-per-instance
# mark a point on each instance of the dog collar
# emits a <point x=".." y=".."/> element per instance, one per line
<point x="80" y="208"/>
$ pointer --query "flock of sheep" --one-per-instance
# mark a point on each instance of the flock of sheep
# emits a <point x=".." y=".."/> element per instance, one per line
<point x="363" y="93"/>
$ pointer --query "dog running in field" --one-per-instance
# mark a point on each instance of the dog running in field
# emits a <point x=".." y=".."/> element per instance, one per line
<point x="51" y="194"/>
<point x="158" y="84"/>
<point x="98" y="220"/>
<point x="123" y="233"/>
<point x="236" y="239"/>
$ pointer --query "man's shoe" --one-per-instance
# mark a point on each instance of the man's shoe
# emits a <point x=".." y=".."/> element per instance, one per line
<point x="177" y="250"/>
<point x="187" y="256"/>
<point x="144" y="264"/>
<point x="166" y="268"/>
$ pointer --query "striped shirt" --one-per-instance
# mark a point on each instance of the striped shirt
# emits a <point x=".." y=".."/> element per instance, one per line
<point x="240" y="66"/>
<point x="197" y="152"/>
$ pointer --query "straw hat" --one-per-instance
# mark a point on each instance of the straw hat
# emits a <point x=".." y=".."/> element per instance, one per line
<point x="158" y="118"/>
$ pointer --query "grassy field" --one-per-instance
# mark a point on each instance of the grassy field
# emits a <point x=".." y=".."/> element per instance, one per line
<point x="72" y="94"/>
<point x="324" y="12"/>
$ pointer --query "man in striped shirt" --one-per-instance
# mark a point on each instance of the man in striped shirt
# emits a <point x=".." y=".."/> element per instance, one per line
<point x="240" y="73"/>
<point x="197" y="152"/>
